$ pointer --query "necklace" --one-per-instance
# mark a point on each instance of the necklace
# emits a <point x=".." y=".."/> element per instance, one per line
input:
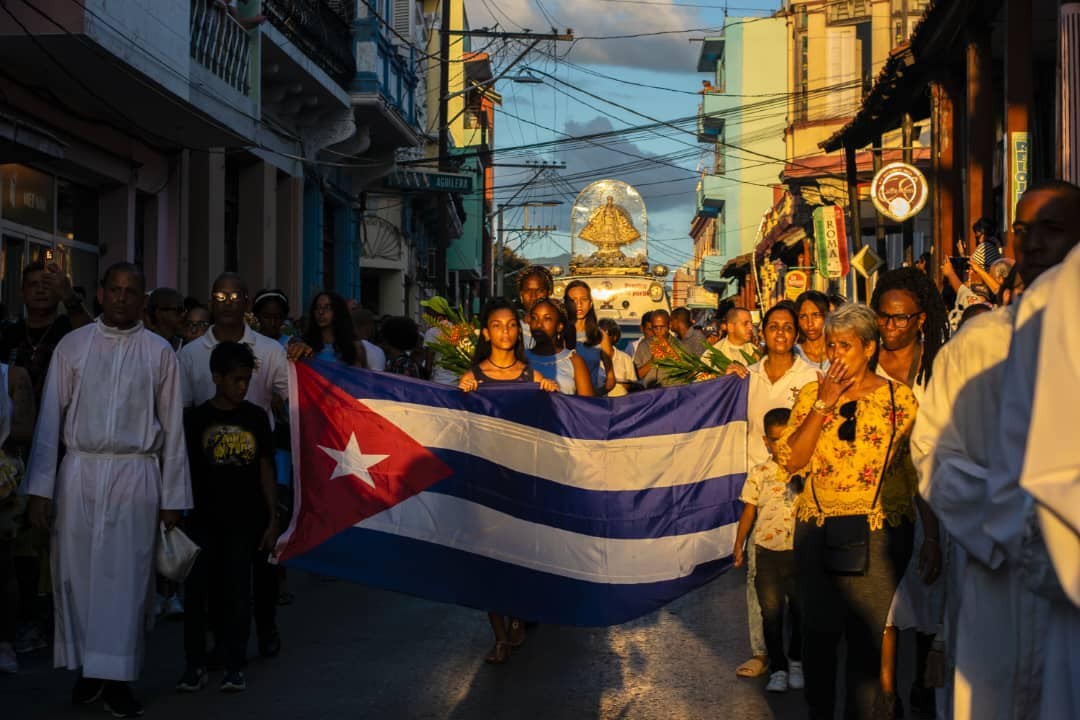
<point x="503" y="367"/>
<point x="35" y="345"/>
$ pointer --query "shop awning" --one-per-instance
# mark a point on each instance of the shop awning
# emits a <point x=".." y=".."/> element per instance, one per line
<point x="15" y="129"/>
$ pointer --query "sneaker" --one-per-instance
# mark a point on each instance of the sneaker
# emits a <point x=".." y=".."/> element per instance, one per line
<point x="233" y="682"/>
<point x="270" y="645"/>
<point x="193" y="680"/>
<point x="174" y="608"/>
<point x="8" y="662"/>
<point x="795" y="677"/>
<point x="87" y="691"/>
<point x="28" y="639"/>
<point x="120" y="702"/>
<point x="777" y="682"/>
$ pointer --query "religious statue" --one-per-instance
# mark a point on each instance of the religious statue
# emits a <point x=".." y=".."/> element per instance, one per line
<point x="609" y="227"/>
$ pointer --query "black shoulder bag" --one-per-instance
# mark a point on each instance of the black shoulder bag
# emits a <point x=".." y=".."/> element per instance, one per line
<point x="846" y="548"/>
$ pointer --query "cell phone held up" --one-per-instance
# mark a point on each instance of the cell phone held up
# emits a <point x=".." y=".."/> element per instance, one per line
<point x="960" y="265"/>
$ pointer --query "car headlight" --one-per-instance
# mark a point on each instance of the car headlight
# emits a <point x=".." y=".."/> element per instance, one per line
<point x="656" y="292"/>
<point x="558" y="290"/>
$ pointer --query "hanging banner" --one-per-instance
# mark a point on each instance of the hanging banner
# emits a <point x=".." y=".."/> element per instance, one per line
<point x="795" y="284"/>
<point x="830" y="238"/>
<point x="1019" y="170"/>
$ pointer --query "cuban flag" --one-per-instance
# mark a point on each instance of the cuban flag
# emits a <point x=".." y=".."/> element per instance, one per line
<point x="556" y="509"/>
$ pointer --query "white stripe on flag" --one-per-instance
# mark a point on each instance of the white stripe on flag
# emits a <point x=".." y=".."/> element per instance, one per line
<point x="586" y="464"/>
<point x="474" y="528"/>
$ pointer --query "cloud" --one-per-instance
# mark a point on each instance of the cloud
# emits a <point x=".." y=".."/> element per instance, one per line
<point x="603" y="18"/>
<point x="662" y="186"/>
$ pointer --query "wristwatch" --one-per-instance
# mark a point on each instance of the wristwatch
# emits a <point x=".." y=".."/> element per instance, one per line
<point x="821" y="407"/>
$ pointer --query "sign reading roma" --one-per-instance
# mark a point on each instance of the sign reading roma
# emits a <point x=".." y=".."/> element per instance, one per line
<point x="899" y="191"/>
<point x="830" y="238"/>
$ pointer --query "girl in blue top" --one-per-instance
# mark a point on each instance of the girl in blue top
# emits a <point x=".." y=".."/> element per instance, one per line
<point x="587" y="340"/>
<point x="330" y="331"/>
<point x="549" y="354"/>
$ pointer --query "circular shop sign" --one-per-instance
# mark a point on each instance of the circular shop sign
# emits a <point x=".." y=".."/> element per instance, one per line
<point x="899" y="191"/>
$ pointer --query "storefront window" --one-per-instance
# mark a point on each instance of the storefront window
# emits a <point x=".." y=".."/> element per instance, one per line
<point x="27" y="197"/>
<point x="76" y="212"/>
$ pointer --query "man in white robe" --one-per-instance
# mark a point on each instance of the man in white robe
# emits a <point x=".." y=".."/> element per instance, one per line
<point x="112" y="401"/>
<point x="1051" y="476"/>
<point x="956" y="447"/>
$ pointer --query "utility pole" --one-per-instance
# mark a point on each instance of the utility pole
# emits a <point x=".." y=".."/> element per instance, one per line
<point x="445" y="31"/>
<point x="444" y="146"/>
<point x="499" y="271"/>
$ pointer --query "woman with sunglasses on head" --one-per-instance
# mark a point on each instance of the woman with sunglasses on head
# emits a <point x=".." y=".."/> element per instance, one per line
<point x="549" y="354"/>
<point x="330" y="332"/>
<point x="587" y="339"/>
<point x="914" y="324"/>
<point x="811" y="309"/>
<point x="499" y="359"/>
<point x="848" y="439"/>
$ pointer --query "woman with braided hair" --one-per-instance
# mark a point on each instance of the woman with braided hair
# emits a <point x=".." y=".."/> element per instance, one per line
<point x="914" y="324"/>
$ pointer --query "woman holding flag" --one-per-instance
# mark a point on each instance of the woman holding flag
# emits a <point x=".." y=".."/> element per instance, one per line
<point x="549" y="354"/>
<point x="500" y="359"/>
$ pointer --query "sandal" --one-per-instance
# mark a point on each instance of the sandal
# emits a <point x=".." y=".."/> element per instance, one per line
<point x="516" y="633"/>
<point x="499" y="654"/>
<point x="754" y="667"/>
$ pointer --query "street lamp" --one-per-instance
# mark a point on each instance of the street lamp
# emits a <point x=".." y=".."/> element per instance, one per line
<point x="500" y="274"/>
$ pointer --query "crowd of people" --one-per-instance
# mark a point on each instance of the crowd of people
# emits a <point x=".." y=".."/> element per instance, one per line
<point x="881" y="494"/>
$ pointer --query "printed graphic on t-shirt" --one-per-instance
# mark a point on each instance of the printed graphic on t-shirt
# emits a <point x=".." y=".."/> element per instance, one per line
<point x="229" y="445"/>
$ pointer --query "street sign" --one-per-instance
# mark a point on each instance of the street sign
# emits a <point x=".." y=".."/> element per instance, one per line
<point x="866" y="262"/>
<point x="440" y="182"/>
<point x="899" y="191"/>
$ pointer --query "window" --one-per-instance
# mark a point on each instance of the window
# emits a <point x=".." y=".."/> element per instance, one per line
<point x="76" y="212"/>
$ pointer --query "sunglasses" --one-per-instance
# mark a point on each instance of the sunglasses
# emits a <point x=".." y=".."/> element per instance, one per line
<point x="846" y="431"/>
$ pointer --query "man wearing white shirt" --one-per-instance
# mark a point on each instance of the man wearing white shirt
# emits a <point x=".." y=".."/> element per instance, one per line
<point x="740" y="333"/>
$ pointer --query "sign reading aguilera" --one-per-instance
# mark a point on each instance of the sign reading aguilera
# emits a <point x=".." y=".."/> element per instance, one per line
<point x="899" y="191"/>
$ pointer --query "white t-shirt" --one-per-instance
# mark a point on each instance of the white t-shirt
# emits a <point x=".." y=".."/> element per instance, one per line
<point x="763" y="396"/>
<point x="376" y="358"/>
<point x="271" y="376"/>
<point x="625" y="373"/>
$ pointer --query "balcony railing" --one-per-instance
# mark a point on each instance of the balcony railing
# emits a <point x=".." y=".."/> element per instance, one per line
<point x="839" y="12"/>
<point x="219" y="43"/>
<point x="319" y="30"/>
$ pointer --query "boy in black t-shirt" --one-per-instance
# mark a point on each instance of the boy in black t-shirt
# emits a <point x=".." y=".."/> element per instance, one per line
<point x="231" y="451"/>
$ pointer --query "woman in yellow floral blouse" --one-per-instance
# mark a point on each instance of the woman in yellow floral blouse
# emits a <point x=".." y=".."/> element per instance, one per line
<point x="848" y="438"/>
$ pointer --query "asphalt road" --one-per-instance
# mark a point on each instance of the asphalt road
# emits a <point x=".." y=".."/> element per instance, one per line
<point x="355" y="652"/>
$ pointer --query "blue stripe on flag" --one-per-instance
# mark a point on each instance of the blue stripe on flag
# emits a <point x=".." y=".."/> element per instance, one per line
<point x="645" y="513"/>
<point x="444" y="574"/>
<point x="668" y="411"/>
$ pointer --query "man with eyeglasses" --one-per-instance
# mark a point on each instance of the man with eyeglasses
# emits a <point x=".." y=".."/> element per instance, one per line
<point x="165" y="314"/>
<point x="270" y="380"/>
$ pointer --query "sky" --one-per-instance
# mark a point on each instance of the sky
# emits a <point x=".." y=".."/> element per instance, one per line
<point x="603" y="82"/>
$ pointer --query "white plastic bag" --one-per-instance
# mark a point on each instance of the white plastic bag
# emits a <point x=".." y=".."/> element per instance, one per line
<point x="176" y="553"/>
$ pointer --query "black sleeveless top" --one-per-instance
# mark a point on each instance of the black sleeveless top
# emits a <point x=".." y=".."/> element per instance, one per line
<point x="526" y="376"/>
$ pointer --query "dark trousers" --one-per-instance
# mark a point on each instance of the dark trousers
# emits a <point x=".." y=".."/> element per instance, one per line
<point x="775" y="583"/>
<point x="265" y="593"/>
<point x="852" y="608"/>
<point x="9" y="590"/>
<point x="219" y="586"/>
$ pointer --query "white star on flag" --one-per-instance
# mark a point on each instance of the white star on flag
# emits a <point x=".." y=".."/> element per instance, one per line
<point x="351" y="461"/>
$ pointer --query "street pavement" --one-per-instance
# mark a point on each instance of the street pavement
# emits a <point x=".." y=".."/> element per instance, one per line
<point x="357" y="652"/>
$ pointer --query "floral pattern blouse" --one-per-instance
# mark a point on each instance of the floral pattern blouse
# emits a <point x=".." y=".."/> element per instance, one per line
<point x="845" y="475"/>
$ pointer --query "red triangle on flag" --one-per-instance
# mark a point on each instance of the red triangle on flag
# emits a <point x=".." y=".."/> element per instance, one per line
<point x="353" y="464"/>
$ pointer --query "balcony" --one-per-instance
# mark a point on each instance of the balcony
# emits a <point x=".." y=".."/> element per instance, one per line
<point x="319" y="31"/>
<point x="851" y="12"/>
<point x="712" y="111"/>
<point x="385" y="84"/>
<point x="712" y="194"/>
<point x="220" y="44"/>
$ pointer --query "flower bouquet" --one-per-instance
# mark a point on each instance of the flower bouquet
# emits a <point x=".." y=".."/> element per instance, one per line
<point x="456" y="341"/>
<point x="683" y="367"/>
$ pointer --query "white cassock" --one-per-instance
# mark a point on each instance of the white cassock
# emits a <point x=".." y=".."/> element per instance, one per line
<point x="112" y="398"/>
<point x="950" y="446"/>
<point x="1050" y="476"/>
